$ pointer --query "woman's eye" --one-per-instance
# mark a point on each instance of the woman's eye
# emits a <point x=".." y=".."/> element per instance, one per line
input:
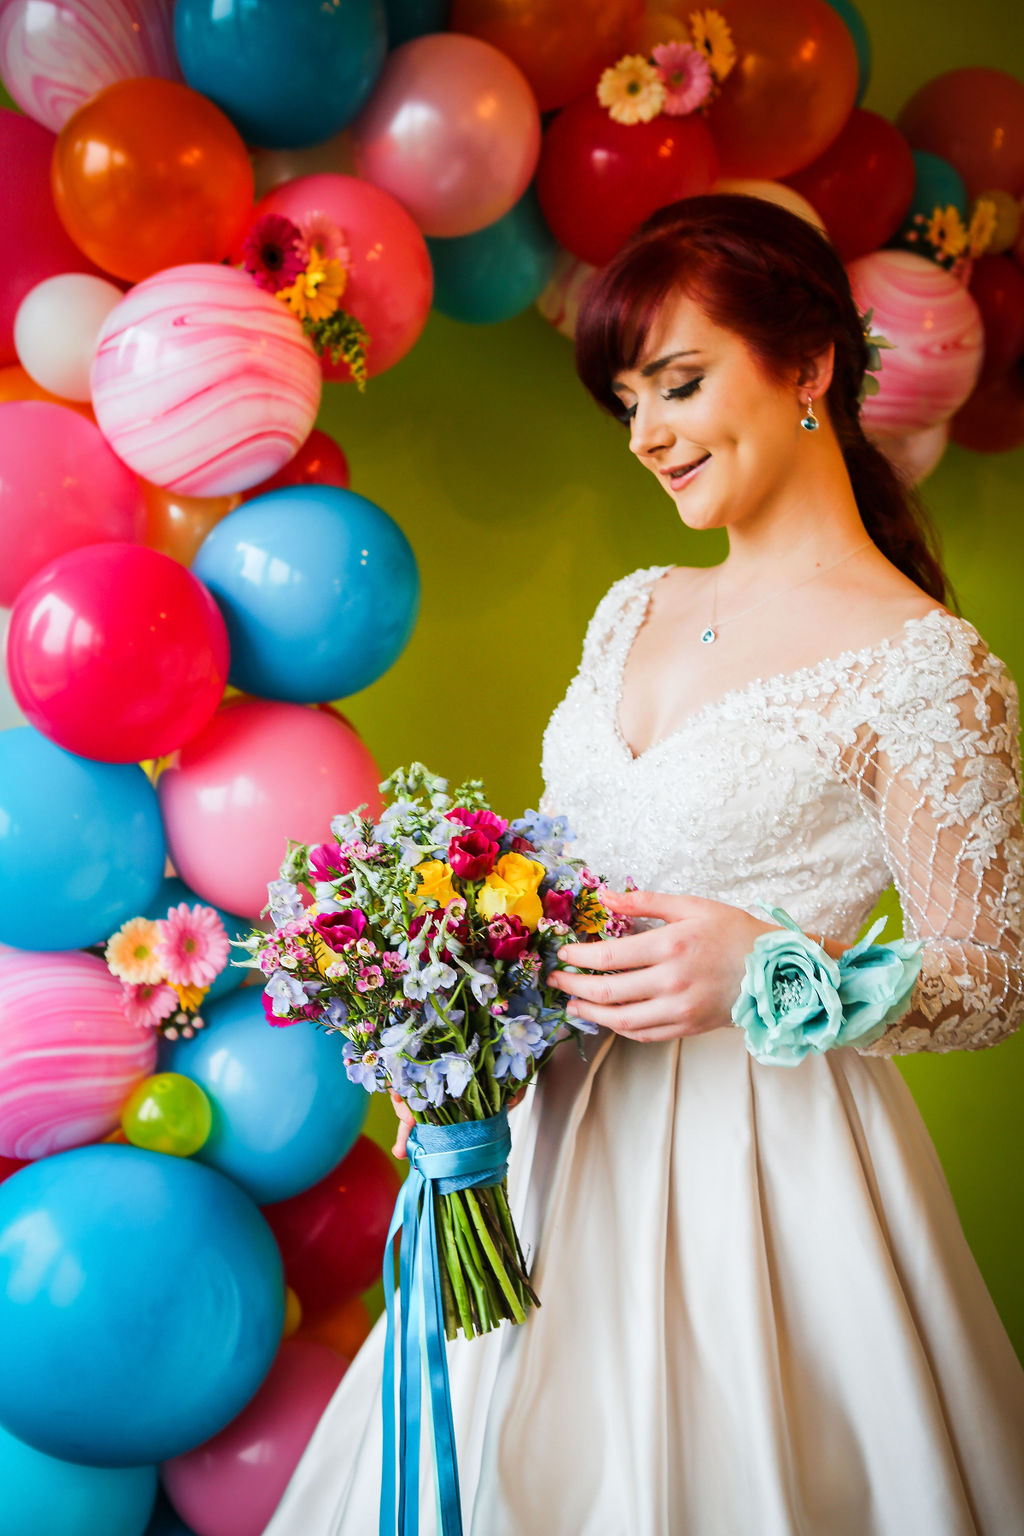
<point x="681" y="392"/>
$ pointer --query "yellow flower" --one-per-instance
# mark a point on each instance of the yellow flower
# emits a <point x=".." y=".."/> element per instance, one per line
<point x="631" y="90"/>
<point x="435" y="884"/>
<point x="711" y="35"/>
<point x="315" y="293"/>
<point x="984" y="217"/>
<point x="131" y="953"/>
<point x="510" y="890"/>
<point x="189" y="996"/>
<point x="946" y="231"/>
<point x="590" y="915"/>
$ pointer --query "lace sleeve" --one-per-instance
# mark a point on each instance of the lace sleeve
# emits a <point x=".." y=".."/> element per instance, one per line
<point x="939" y="770"/>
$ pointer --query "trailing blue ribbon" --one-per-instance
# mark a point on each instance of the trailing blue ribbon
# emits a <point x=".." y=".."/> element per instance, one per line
<point x="443" y="1158"/>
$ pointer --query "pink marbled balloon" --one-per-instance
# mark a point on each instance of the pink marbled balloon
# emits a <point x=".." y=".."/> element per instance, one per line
<point x="55" y="54"/>
<point x="68" y="1056"/>
<point x="936" y="329"/>
<point x="202" y="383"/>
<point x="559" y="303"/>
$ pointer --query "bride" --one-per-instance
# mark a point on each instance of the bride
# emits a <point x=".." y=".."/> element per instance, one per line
<point x="760" y="1315"/>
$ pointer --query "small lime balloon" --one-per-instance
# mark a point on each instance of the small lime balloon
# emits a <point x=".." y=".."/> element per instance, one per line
<point x="292" y="1314"/>
<point x="168" y="1113"/>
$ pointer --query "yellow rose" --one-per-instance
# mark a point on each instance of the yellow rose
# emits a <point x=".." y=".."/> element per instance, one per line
<point x="435" y="884"/>
<point x="510" y="890"/>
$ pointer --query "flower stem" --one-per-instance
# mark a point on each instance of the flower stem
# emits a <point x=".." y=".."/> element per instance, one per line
<point x="454" y="1267"/>
<point x="507" y="1288"/>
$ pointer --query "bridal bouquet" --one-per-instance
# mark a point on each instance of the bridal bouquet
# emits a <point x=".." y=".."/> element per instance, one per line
<point x="426" y="948"/>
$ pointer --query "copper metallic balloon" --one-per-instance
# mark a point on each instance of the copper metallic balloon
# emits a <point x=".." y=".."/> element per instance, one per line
<point x="177" y="525"/>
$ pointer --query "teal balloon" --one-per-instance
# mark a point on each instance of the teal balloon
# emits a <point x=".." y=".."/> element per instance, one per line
<point x="284" y="1110"/>
<point x="172" y="890"/>
<point x="43" y="1495"/>
<point x="936" y="185"/>
<point x="141" y="1305"/>
<point x="165" y="1521"/>
<point x="286" y="72"/>
<point x="498" y="271"/>
<point x="414" y="18"/>
<point x="82" y="844"/>
<point x="861" y="41"/>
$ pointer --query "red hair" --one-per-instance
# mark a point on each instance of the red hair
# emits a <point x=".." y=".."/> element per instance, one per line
<point x="772" y="278"/>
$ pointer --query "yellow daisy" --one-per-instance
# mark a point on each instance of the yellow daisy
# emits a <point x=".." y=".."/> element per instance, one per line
<point x="984" y="217"/>
<point x="631" y="90"/>
<point x="946" y="231"/>
<point x="712" y="36"/>
<point x="315" y="293"/>
<point x="131" y="953"/>
<point x="189" y="996"/>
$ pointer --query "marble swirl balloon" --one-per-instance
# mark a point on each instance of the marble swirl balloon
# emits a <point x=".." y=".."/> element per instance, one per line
<point x="202" y="383"/>
<point x="936" y="329"/>
<point x="55" y="54"/>
<point x="68" y="1056"/>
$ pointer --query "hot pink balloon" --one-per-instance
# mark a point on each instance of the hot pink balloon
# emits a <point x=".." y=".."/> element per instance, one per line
<point x="936" y="329"/>
<point x="61" y="486"/>
<point x="260" y="773"/>
<point x="231" y="1485"/>
<point x="68" y="1056"/>
<point x="117" y="652"/>
<point x="35" y="244"/>
<point x="452" y="130"/>
<point x="203" y="383"/>
<point x="55" y="54"/>
<point x="390" y="279"/>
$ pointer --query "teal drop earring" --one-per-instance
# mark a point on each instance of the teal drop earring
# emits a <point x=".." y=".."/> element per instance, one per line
<point x="810" y="422"/>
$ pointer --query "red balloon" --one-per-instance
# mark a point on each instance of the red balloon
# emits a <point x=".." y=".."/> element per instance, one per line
<point x="997" y="287"/>
<point x="318" y="462"/>
<point x="332" y="1236"/>
<point x="9" y="1165"/>
<point x="974" y="118"/>
<point x="116" y="652"/>
<point x="862" y="185"/>
<point x="598" y="179"/>
<point x="992" y="419"/>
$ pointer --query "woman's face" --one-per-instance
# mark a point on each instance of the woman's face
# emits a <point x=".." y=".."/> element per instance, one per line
<point x="721" y="437"/>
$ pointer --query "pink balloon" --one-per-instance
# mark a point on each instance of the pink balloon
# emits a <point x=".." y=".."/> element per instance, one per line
<point x="936" y="329"/>
<point x="260" y="773"/>
<point x="452" y="130"/>
<point x="203" y="383"/>
<point x="915" y="457"/>
<point x="68" y="1056"/>
<point x="231" y="1485"/>
<point x="117" y="652"/>
<point x="391" y="281"/>
<point x="35" y="244"/>
<point x="55" y="54"/>
<point x="61" y="486"/>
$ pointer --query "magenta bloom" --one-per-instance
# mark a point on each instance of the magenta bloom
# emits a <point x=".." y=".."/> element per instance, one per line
<point x="458" y="929"/>
<point x="472" y="855"/>
<point x="271" y="253"/>
<point x="340" y="929"/>
<point x="558" y="906"/>
<point x="327" y="862"/>
<point x="192" y="945"/>
<point x="507" y="937"/>
<point x="479" y="821"/>
<point x="311" y="1011"/>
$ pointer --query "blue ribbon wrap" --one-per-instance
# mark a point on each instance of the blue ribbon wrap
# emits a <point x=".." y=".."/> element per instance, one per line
<point x="442" y="1158"/>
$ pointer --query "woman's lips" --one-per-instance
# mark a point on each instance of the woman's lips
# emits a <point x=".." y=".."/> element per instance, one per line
<point x="684" y="473"/>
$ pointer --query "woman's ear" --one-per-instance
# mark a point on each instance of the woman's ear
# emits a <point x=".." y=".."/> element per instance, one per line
<point x="816" y="375"/>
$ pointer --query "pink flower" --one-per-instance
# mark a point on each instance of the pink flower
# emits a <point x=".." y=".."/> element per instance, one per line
<point x="558" y="906"/>
<point x="320" y="237"/>
<point x="472" y="855"/>
<point x="327" y="862"/>
<point x="340" y="929"/>
<point x="369" y="976"/>
<point x="686" y="76"/>
<point x="192" y="945"/>
<point x="280" y="1022"/>
<point x="479" y="821"/>
<point x="507" y="937"/>
<point x="270" y="252"/>
<point x="148" y="1004"/>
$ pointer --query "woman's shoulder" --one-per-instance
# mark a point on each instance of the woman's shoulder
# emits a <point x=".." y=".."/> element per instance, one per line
<point x="941" y="680"/>
<point x="616" y="603"/>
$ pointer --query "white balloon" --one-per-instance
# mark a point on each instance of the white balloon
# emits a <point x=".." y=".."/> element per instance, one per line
<point x="57" y="327"/>
<point x="10" y="714"/>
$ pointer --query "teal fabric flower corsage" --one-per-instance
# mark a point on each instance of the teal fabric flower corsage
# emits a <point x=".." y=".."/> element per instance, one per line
<point x="795" y="998"/>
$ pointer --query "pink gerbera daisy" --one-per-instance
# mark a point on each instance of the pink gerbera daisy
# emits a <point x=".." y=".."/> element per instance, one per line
<point x="131" y="953"/>
<point x="321" y="239"/>
<point x="192" y="945"/>
<point x="147" y="1005"/>
<point x="270" y="252"/>
<point x="686" y="75"/>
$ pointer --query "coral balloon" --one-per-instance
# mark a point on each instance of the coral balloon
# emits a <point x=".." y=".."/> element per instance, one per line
<point x="332" y="1236"/>
<point x="936" y="330"/>
<point x="260" y="773"/>
<point x="16" y="384"/>
<point x="149" y="174"/>
<point x="390" y="280"/>
<point x="790" y="91"/>
<point x="862" y="185"/>
<point x="974" y="118"/>
<point x="231" y="1485"/>
<point x="68" y="1056"/>
<point x="176" y="525"/>
<point x="561" y="49"/>
<point x="203" y="383"/>
<point x="60" y="487"/>
<point x="992" y="419"/>
<point x="37" y="244"/>
<point x="319" y="461"/>
<point x="116" y="653"/>
<point x="997" y="287"/>
<point x="167" y="1113"/>
<point x="56" y="329"/>
<point x="452" y="131"/>
<point x="345" y="1330"/>
<point x="598" y="179"/>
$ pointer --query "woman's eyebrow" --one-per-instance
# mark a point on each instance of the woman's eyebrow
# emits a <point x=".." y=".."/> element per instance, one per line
<point x="659" y="362"/>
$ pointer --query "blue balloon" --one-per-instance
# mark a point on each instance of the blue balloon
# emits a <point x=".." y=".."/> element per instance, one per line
<point x="169" y="893"/>
<point x="414" y="18"/>
<point x="286" y="74"/>
<point x="858" y="30"/>
<point x="141" y="1305"/>
<point x="284" y="1110"/>
<point x="319" y="590"/>
<point x="82" y="844"/>
<point x="497" y="272"/>
<point x="42" y="1495"/>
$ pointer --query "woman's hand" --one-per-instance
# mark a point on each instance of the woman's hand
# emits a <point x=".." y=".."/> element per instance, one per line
<point x="406" y="1120"/>
<point x="679" y="979"/>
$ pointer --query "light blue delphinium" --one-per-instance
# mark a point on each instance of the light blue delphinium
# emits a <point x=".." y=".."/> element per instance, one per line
<point x="283" y="902"/>
<point x="285" y="992"/>
<point x="517" y="1045"/>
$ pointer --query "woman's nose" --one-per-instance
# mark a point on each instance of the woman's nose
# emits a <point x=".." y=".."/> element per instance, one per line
<point x="648" y="429"/>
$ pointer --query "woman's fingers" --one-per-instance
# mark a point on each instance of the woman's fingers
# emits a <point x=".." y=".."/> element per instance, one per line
<point x="624" y="987"/>
<point x="633" y="1018"/>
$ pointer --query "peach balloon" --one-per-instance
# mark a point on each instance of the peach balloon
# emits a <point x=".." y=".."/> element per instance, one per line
<point x="560" y="301"/>
<point x="772" y="192"/>
<point x="915" y="457"/>
<point x="273" y="167"/>
<point x="343" y="1330"/>
<point x="16" y="384"/>
<point x="176" y="525"/>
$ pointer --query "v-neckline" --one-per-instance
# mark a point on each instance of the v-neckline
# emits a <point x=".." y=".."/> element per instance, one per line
<point x="643" y="596"/>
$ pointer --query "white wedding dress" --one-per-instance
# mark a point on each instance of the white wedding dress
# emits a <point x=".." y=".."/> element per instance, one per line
<point x="760" y="1315"/>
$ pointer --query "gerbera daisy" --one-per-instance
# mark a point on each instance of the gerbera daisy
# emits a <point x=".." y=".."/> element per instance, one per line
<point x="686" y="76"/>
<point x="712" y="37"/>
<point x="315" y="293"/>
<point x="132" y="952"/>
<point x="192" y="945"/>
<point x="980" y="230"/>
<point x="631" y="90"/>
<point x="270" y="252"/>
<point x="148" y="1005"/>
<point x="321" y="239"/>
<point x="946" y="231"/>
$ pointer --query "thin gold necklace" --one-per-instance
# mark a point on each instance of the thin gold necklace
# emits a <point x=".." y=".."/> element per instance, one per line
<point x="710" y="634"/>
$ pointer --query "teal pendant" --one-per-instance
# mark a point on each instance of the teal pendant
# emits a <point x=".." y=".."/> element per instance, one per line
<point x="708" y="636"/>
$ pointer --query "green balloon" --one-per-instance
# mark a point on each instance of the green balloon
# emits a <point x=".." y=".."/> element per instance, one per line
<point x="498" y="271"/>
<point x="167" y="1113"/>
<point x="861" y="41"/>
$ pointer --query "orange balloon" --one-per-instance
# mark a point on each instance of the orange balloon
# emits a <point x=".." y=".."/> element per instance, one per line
<point x="343" y="1330"/>
<point x="656" y="27"/>
<point x="149" y="174"/>
<point x="560" y="48"/>
<point x="177" y="525"/>
<point x="16" y="384"/>
<point x="974" y="118"/>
